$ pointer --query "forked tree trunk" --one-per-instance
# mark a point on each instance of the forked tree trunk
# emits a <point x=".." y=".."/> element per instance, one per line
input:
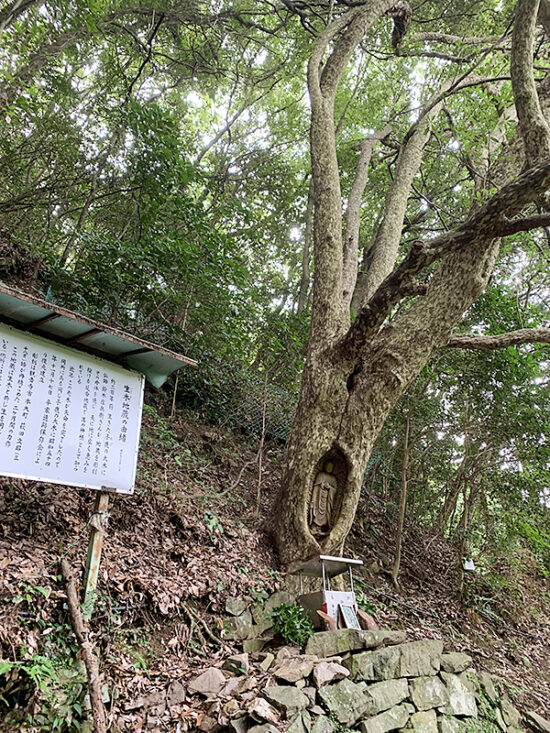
<point x="334" y="423"/>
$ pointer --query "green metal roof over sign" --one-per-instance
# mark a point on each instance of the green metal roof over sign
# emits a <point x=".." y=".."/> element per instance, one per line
<point x="30" y="313"/>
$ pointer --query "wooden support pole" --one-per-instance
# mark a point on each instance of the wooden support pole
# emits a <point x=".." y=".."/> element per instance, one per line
<point x="98" y="525"/>
<point x="90" y="661"/>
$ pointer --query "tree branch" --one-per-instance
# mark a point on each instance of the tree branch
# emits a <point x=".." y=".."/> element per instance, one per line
<point x="452" y="87"/>
<point x="348" y="30"/>
<point x="359" y="22"/>
<point x="11" y="11"/>
<point x="511" y="198"/>
<point x="386" y="242"/>
<point x="319" y="50"/>
<point x="385" y="247"/>
<point x="508" y="226"/>
<point x="86" y="649"/>
<point x="146" y="59"/>
<point x="501" y="340"/>
<point x="352" y="221"/>
<point x="218" y="136"/>
<point x="481" y="227"/>
<point x="23" y="74"/>
<point x="455" y="40"/>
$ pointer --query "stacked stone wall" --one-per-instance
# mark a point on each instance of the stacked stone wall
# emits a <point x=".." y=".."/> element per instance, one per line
<point x="350" y="680"/>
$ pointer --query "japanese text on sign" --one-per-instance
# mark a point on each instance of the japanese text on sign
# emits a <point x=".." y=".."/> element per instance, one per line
<point x="66" y="417"/>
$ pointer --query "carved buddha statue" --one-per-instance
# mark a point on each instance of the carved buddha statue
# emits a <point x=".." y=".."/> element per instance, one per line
<point x="322" y="500"/>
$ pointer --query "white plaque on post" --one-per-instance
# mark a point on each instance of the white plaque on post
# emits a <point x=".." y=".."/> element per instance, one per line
<point x="67" y="417"/>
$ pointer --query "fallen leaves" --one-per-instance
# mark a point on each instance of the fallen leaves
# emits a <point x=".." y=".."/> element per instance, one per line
<point x="159" y="555"/>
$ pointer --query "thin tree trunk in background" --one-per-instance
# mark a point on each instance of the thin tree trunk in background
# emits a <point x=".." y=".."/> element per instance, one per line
<point x="384" y="487"/>
<point x="13" y="10"/>
<point x="470" y="503"/>
<point x="173" y="410"/>
<point x="449" y="506"/>
<point x="402" y="502"/>
<point x="10" y="90"/>
<point x="462" y="530"/>
<point x="261" y="448"/>
<point x="183" y="321"/>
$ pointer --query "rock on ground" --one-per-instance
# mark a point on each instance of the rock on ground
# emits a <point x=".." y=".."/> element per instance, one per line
<point x="288" y="699"/>
<point x="538" y="722"/>
<point x="327" y="672"/>
<point x="329" y="643"/>
<point x="392" y="719"/>
<point x="455" y="662"/>
<point x="208" y="683"/>
<point x="345" y="700"/>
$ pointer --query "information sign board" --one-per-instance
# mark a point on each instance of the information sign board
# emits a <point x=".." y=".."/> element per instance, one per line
<point x="67" y="417"/>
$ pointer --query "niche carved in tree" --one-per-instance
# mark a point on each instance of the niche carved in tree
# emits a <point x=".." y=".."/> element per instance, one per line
<point x="326" y="493"/>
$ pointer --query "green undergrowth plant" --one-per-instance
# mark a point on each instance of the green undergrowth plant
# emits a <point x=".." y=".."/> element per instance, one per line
<point x="364" y="603"/>
<point x="45" y="693"/>
<point x="212" y="523"/>
<point x="361" y="596"/>
<point x="158" y="434"/>
<point x="485" y="706"/>
<point x="44" y="687"/>
<point x="258" y="594"/>
<point x="292" y="623"/>
<point x="30" y="594"/>
<point x="161" y="434"/>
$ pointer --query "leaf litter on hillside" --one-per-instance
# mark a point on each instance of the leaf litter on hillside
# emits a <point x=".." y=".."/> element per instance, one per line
<point x="182" y="544"/>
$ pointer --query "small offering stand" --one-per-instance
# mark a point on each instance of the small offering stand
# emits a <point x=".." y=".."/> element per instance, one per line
<point x="327" y="607"/>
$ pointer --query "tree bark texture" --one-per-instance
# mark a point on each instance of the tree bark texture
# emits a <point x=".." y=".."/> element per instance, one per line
<point x="306" y="253"/>
<point x="533" y="126"/>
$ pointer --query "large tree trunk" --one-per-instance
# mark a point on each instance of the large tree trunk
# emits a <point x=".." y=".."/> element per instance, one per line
<point x="334" y="423"/>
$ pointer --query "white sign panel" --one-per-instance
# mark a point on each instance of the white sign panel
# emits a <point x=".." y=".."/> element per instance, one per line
<point x="66" y="417"/>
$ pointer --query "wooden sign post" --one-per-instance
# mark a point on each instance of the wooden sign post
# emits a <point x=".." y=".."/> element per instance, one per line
<point x="98" y="525"/>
